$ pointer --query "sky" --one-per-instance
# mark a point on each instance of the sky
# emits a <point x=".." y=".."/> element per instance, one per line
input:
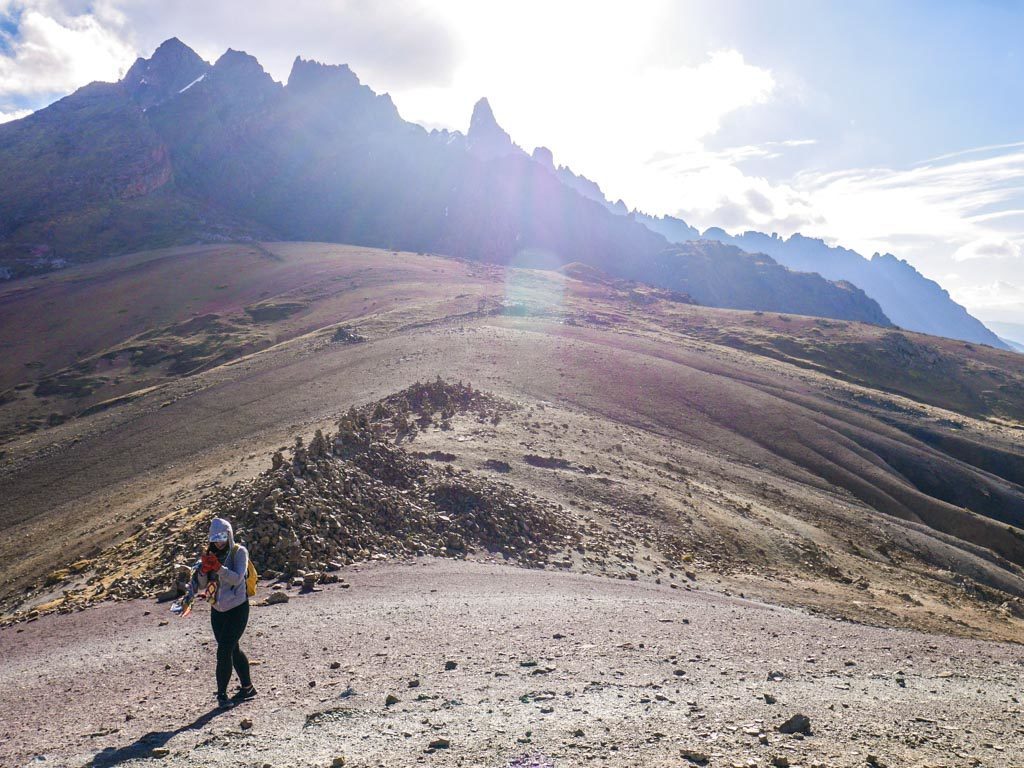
<point x="881" y="126"/>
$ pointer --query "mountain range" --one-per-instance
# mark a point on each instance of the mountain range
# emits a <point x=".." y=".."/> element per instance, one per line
<point x="907" y="297"/>
<point x="910" y="299"/>
<point x="182" y="151"/>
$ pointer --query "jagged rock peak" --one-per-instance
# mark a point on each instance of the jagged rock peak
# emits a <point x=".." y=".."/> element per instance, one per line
<point x="485" y="137"/>
<point x="239" y="61"/>
<point x="307" y="73"/>
<point x="241" y="78"/>
<point x="482" y="120"/>
<point x="173" y="46"/>
<point x="172" y="67"/>
<point x="544" y="156"/>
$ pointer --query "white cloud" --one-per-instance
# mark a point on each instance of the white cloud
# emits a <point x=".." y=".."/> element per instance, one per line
<point x="55" y="53"/>
<point x="711" y="189"/>
<point x="994" y="295"/>
<point x="963" y="207"/>
<point x="987" y="248"/>
<point x="954" y="199"/>
<point x="17" y="114"/>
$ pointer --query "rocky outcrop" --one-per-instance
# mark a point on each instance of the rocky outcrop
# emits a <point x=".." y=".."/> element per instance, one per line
<point x="486" y="138"/>
<point x="544" y="156"/>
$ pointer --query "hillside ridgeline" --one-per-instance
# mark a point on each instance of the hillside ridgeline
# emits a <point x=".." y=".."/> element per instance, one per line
<point x="234" y="155"/>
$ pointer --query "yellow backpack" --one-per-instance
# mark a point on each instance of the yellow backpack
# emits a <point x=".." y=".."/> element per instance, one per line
<point x="251" y="576"/>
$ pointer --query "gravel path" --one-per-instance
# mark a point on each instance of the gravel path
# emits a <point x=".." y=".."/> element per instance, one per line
<point x="550" y="669"/>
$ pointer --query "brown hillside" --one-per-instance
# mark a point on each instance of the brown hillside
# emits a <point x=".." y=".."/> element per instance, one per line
<point x="815" y="462"/>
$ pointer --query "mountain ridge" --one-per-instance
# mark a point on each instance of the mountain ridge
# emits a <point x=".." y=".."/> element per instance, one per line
<point x="910" y="299"/>
<point x="223" y="152"/>
<point x="907" y="297"/>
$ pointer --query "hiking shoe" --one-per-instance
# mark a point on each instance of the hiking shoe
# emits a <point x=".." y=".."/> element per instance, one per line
<point x="224" y="702"/>
<point x="244" y="694"/>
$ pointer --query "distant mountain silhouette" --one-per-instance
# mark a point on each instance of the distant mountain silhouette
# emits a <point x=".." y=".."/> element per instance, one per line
<point x="1012" y="334"/>
<point x="182" y="151"/>
<point x="911" y="300"/>
<point x="907" y="297"/>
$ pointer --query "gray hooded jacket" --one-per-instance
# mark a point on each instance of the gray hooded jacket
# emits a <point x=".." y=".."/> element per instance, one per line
<point x="231" y="592"/>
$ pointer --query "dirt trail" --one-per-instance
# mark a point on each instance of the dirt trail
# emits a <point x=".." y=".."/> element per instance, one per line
<point x="565" y="668"/>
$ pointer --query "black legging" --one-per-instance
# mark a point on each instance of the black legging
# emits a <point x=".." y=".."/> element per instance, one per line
<point x="228" y="627"/>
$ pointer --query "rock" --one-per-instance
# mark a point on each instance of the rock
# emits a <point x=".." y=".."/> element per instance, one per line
<point x="441" y="743"/>
<point x="875" y="762"/>
<point x="338" y="762"/>
<point x="246" y="724"/>
<point x="798" y="723"/>
<point x="309" y="582"/>
<point x="167" y="595"/>
<point x="335" y="665"/>
<point x="347" y="336"/>
<point x="776" y="677"/>
<point x="694" y="756"/>
<point x="780" y="762"/>
<point x="544" y="156"/>
<point x="277" y="597"/>
<point x="414" y="683"/>
<point x="449" y="666"/>
<point x="769" y="699"/>
<point x="159" y="752"/>
<point x="390" y="700"/>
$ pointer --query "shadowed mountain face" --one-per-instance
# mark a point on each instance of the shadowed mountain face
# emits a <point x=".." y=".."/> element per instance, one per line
<point x="910" y="299"/>
<point x="181" y="150"/>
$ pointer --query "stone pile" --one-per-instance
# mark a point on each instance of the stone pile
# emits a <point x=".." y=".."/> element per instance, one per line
<point x="354" y="495"/>
<point x="347" y="496"/>
<point x="347" y="336"/>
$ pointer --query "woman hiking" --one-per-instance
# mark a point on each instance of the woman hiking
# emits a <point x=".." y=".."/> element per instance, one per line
<point x="226" y="562"/>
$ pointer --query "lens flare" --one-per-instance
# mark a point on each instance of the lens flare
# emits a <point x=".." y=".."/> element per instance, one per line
<point x="533" y="283"/>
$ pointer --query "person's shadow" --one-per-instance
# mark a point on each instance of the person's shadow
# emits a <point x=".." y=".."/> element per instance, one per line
<point x="146" y="743"/>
